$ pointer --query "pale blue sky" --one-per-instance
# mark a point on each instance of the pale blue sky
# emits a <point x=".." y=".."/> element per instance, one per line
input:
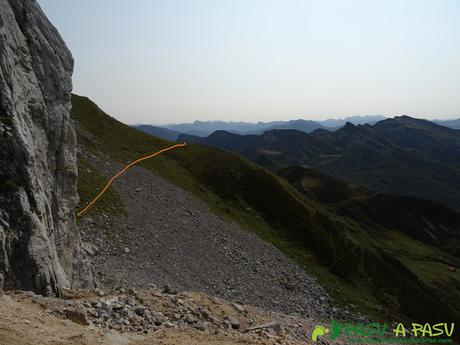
<point x="162" y="61"/>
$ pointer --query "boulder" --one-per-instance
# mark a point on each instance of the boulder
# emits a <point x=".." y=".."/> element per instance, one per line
<point x="233" y="322"/>
<point x="77" y="315"/>
<point x="275" y="326"/>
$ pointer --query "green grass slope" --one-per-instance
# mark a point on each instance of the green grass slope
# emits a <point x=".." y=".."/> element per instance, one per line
<point x="90" y="181"/>
<point x="353" y="264"/>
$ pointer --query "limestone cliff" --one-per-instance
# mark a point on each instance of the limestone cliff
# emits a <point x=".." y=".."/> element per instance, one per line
<point x="40" y="245"/>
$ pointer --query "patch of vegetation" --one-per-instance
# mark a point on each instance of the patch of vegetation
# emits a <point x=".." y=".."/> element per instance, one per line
<point x="345" y="244"/>
<point x="11" y="184"/>
<point x="4" y="120"/>
<point x="90" y="182"/>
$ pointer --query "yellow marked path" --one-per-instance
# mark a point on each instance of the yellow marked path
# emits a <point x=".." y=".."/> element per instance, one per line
<point x="122" y="171"/>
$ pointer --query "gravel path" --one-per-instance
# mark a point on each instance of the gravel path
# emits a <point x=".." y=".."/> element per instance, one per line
<point x="170" y="237"/>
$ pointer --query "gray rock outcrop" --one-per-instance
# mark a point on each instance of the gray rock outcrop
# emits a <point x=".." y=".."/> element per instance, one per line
<point x="40" y="245"/>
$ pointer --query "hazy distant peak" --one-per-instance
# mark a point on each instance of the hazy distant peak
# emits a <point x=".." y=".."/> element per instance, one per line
<point x="356" y="120"/>
<point x="349" y="125"/>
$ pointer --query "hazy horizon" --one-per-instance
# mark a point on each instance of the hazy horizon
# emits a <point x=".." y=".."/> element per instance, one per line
<point x="339" y="118"/>
<point x="176" y="61"/>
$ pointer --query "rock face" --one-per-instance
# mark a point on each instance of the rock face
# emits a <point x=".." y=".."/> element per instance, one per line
<point x="40" y="245"/>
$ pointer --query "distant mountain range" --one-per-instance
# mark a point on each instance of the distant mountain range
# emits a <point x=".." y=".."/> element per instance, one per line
<point x="455" y="124"/>
<point x="402" y="155"/>
<point x="205" y="128"/>
<point x="356" y="120"/>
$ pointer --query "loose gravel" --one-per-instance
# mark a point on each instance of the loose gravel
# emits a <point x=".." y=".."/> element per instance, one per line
<point x="171" y="238"/>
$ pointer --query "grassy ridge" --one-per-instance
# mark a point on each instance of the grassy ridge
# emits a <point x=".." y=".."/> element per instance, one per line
<point x="354" y="265"/>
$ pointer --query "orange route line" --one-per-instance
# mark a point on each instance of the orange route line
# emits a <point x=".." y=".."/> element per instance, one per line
<point x="121" y="172"/>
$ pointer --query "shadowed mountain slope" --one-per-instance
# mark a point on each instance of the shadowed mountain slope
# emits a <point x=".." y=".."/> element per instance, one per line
<point x="399" y="156"/>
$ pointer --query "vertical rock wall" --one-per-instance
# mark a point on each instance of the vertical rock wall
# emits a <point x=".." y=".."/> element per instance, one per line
<point x="40" y="245"/>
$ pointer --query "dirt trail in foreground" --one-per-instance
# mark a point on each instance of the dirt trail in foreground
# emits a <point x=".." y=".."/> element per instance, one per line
<point x="187" y="319"/>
